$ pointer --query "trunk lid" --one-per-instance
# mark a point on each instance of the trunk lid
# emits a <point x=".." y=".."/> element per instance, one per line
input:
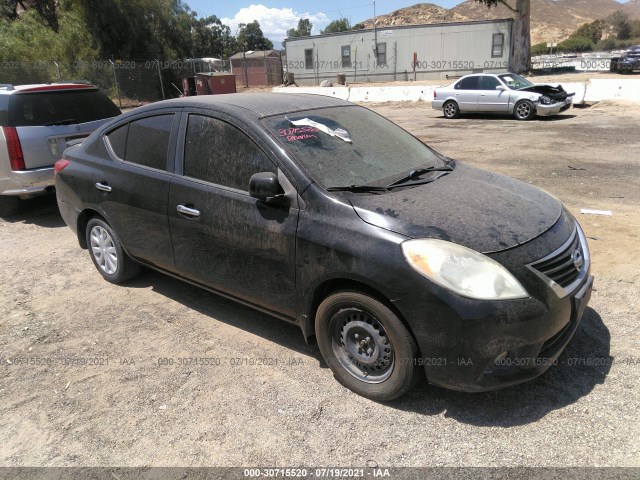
<point x="42" y="146"/>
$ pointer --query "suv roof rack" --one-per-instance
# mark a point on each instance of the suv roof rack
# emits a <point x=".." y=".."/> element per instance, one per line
<point x="6" y="86"/>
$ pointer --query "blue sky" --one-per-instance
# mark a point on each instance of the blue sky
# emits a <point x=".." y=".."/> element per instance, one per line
<point x="277" y="16"/>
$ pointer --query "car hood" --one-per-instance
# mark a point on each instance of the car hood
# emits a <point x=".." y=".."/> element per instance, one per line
<point x="475" y="208"/>
<point x="554" y="91"/>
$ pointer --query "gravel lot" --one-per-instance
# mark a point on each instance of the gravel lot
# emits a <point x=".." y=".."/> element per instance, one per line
<point x="123" y="408"/>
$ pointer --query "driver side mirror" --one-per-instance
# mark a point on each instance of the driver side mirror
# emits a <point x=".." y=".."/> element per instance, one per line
<point x="502" y="88"/>
<point x="265" y="186"/>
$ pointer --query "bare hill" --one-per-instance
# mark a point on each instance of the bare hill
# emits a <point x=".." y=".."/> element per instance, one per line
<point x="551" y="20"/>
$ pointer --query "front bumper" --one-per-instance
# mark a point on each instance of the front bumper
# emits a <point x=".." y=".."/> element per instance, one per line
<point x="28" y="182"/>
<point x="629" y="64"/>
<point x="474" y="345"/>
<point x="509" y="343"/>
<point x="551" y="109"/>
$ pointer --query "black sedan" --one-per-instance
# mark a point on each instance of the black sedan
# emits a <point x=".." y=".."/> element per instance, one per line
<point x="399" y="260"/>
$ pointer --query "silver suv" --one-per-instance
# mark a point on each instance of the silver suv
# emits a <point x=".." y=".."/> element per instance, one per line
<point x="36" y="122"/>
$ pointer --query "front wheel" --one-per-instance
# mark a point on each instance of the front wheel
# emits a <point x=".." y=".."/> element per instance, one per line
<point x="367" y="347"/>
<point x="107" y="253"/>
<point x="524" y="110"/>
<point x="450" y="109"/>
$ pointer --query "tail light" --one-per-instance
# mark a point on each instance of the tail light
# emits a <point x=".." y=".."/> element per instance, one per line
<point x="435" y="94"/>
<point x="14" y="148"/>
<point x="60" y="165"/>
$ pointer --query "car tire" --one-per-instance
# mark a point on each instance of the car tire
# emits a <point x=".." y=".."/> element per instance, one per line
<point x="524" y="110"/>
<point x="366" y="346"/>
<point x="9" y="205"/>
<point x="107" y="254"/>
<point x="451" y="110"/>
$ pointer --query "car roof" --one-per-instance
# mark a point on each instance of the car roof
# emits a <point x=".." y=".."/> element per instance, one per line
<point x="9" y="89"/>
<point x="254" y="104"/>
<point x="484" y="75"/>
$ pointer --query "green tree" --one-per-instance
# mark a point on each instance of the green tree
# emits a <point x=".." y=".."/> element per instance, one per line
<point x="30" y="38"/>
<point x="576" y="44"/>
<point x="211" y="38"/>
<point x="620" y="22"/>
<point x="521" y="53"/>
<point x="592" y="31"/>
<point x="340" y="25"/>
<point x="539" y="49"/>
<point x="47" y="9"/>
<point x="303" y="30"/>
<point x="250" y="37"/>
<point x="139" y="29"/>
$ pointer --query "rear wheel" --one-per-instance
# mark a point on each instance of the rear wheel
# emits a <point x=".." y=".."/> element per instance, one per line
<point x="367" y="347"/>
<point x="451" y="109"/>
<point x="524" y="110"/>
<point x="107" y="253"/>
<point x="9" y="205"/>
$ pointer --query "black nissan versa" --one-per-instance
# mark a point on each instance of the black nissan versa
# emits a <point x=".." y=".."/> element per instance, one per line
<point x="326" y="215"/>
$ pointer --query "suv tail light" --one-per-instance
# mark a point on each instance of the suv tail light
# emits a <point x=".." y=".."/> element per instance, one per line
<point x="14" y="148"/>
<point x="60" y="165"/>
<point x="435" y="94"/>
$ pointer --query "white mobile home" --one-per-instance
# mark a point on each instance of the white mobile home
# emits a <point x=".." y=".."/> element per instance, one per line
<point x="412" y="52"/>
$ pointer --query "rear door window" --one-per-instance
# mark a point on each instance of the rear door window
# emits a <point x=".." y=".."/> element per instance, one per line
<point x="118" y="140"/>
<point x="469" y="83"/>
<point x="147" y="141"/>
<point x="59" y="108"/>
<point x="220" y="153"/>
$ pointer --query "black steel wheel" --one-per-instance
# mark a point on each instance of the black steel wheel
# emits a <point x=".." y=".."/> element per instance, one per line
<point x="367" y="347"/>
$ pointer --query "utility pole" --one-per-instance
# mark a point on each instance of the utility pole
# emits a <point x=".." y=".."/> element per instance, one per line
<point x="375" y="32"/>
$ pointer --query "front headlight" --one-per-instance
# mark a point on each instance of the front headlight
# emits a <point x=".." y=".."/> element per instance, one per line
<point x="462" y="270"/>
<point x="545" y="100"/>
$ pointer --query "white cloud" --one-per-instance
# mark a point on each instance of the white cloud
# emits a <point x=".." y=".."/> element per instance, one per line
<point x="274" y="22"/>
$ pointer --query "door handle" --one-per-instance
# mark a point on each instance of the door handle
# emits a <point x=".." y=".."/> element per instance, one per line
<point x="191" y="212"/>
<point x="102" y="187"/>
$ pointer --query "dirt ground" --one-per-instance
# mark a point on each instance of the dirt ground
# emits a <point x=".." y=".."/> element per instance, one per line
<point x="91" y="373"/>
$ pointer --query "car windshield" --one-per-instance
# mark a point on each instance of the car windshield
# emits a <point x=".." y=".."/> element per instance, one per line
<point x="514" y="81"/>
<point x="345" y="146"/>
<point x="59" y="108"/>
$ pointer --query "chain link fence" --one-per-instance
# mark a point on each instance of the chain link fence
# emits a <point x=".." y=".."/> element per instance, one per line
<point x="130" y="83"/>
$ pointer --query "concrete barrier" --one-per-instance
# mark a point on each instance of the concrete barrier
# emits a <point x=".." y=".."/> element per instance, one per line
<point x="594" y="90"/>
<point x="613" y="89"/>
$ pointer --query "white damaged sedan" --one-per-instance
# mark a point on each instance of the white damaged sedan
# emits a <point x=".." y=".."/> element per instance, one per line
<point x="505" y="93"/>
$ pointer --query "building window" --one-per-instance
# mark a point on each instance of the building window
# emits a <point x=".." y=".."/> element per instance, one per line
<point x="346" y="56"/>
<point x="308" y="58"/>
<point x="381" y="53"/>
<point x="497" y="45"/>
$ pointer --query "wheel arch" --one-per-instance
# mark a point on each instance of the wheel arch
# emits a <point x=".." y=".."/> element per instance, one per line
<point x="333" y="285"/>
<point x="83" y="220"/>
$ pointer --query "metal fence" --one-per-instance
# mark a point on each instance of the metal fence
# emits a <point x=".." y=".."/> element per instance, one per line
<point x="129" y="83"/>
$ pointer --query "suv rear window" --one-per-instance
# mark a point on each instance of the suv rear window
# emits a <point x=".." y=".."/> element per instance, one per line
<point x="58" y="108"/>
<point x="4" y="110"/>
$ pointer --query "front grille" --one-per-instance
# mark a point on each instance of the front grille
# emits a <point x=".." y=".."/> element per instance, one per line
<point x="560" y="266"/>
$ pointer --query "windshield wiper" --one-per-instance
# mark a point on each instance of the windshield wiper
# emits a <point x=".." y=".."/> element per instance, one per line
<point x="357" y="188"/>
<point x="416" y="173"/>
<point x="66" y="121"/>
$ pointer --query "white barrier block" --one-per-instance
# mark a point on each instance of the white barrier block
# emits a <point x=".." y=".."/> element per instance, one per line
<point x="613" y="89"/>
